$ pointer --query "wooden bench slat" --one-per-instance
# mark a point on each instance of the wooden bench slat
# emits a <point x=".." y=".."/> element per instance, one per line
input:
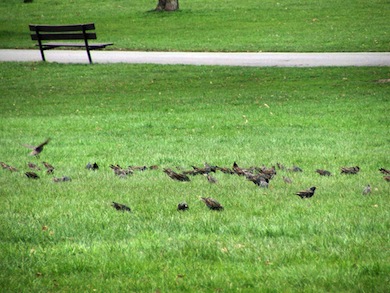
<point x="61" y="28"/>
<point x="63" y="36"/>
<point x="77" y="45"/>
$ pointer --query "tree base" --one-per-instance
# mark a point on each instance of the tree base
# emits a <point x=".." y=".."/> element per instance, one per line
<point x="167" y="5"/>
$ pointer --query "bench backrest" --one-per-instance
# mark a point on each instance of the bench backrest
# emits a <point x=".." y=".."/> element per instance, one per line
<point x="62" y="32"/>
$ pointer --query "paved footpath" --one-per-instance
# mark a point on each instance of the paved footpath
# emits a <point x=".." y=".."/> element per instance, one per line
<point x="203" y="58"/>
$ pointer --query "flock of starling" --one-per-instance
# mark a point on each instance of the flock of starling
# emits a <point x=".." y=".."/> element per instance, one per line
<point x="260" y="176"/>
<point x="35" y="151"/>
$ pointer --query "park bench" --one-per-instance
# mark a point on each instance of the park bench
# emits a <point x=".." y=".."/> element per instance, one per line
<point x="44" y="33"/>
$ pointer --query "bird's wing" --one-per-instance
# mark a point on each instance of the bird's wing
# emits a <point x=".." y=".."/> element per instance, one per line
<point x="44" y="143"/>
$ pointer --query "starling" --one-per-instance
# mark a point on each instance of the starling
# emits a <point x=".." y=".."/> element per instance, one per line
<point x="176" y="176"/>
<point x="8" y="167"/>
<point x="33" y="166"/>
<point x="4" y="165"/>
<point x="12" y="169"/>
<point x="120" y="207"/>
<point x="260" y="180"/>
<point x="384" y="171"/>
<point x="62" y="179"/>
<point x="36" y="150"/>
<point x="192" y="172"/>
<point x="323" y="172"/>
<point x="295" y="169"/>
<point x="137" y="168"/>
<point x="271" y="172"/>
<point x="350" y="170"/>
<point x="239" y="171"/>
<point x="387" y="178"/>
<point x="287" y="180"/>
<point x="92" y="167"/>
<point x="209" y="167"/>
<point x="47" y="165"/>
<point x="306" y="193"/>
<point x="211" y="179"/>
<point x="119" y="171"/>
<point x="183" y="206"/>
<point x="212" y="204"/>
<point x="225" y="170"/>
<point x="32" y="175"/>
<point x="201" y="171"/>
<point x="264" y="183"/>
<point x="367" y="190"/>
<point x="49" y="168"/>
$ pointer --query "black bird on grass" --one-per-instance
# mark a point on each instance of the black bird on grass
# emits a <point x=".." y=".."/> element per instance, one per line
<point x="47" y="165"/>
<point x="384" y="171"/>
<point x="323" y="172"/>
<point x="32" y="175"/>
<point x="306" y="193"/>
<point x="225" y="170"/>
<point x="119" y="171"/>
<point x="367" y="190"/>
<point x="260" y="180"/>
<point x="209" y="167"/>
<point x="263" y="183"/>
<point x="36" y="150"/>
<point x="120" y="207"/>
<point x="8" y="167"/>
<point x="49" y="168"/>
<point x="270" y="172"/>
<point x="62" y="179"/>
<point x="137" y="168"/>
<point x="183" y="206"/>
<point x="199" y="171"/>
<point x="211" y="179"/>
<point x="212" y="204"/>
<point x="4" y="165"/>
<point x="295" y="169"/>
<point x="238" y="170"/>
<point x="350" y="170"/>
<point x="33" y="166"/>
<point x="92" y="167"/>
<point x="176" y="176"/>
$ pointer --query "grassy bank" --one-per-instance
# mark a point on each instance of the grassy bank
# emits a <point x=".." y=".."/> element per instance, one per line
<point x="303" y="26"/>
<point x="65" y="236"/>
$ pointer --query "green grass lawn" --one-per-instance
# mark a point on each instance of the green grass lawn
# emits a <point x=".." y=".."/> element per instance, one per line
<point x="207" y="25"/>
<point x="66" y="237"/>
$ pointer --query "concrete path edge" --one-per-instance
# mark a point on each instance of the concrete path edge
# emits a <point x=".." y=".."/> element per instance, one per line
<point x="202" y="58"/>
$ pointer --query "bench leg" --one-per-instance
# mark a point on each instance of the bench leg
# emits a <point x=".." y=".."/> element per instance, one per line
<point x="41" y="49"/>
<point x="89" y="56"/>
<point x="43" y="56"/>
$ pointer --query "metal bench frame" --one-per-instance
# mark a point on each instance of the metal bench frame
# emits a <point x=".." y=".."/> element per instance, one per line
<point x="43" y="33"/>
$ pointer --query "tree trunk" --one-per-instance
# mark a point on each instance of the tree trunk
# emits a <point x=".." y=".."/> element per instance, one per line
<point x="167" y="5"/>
